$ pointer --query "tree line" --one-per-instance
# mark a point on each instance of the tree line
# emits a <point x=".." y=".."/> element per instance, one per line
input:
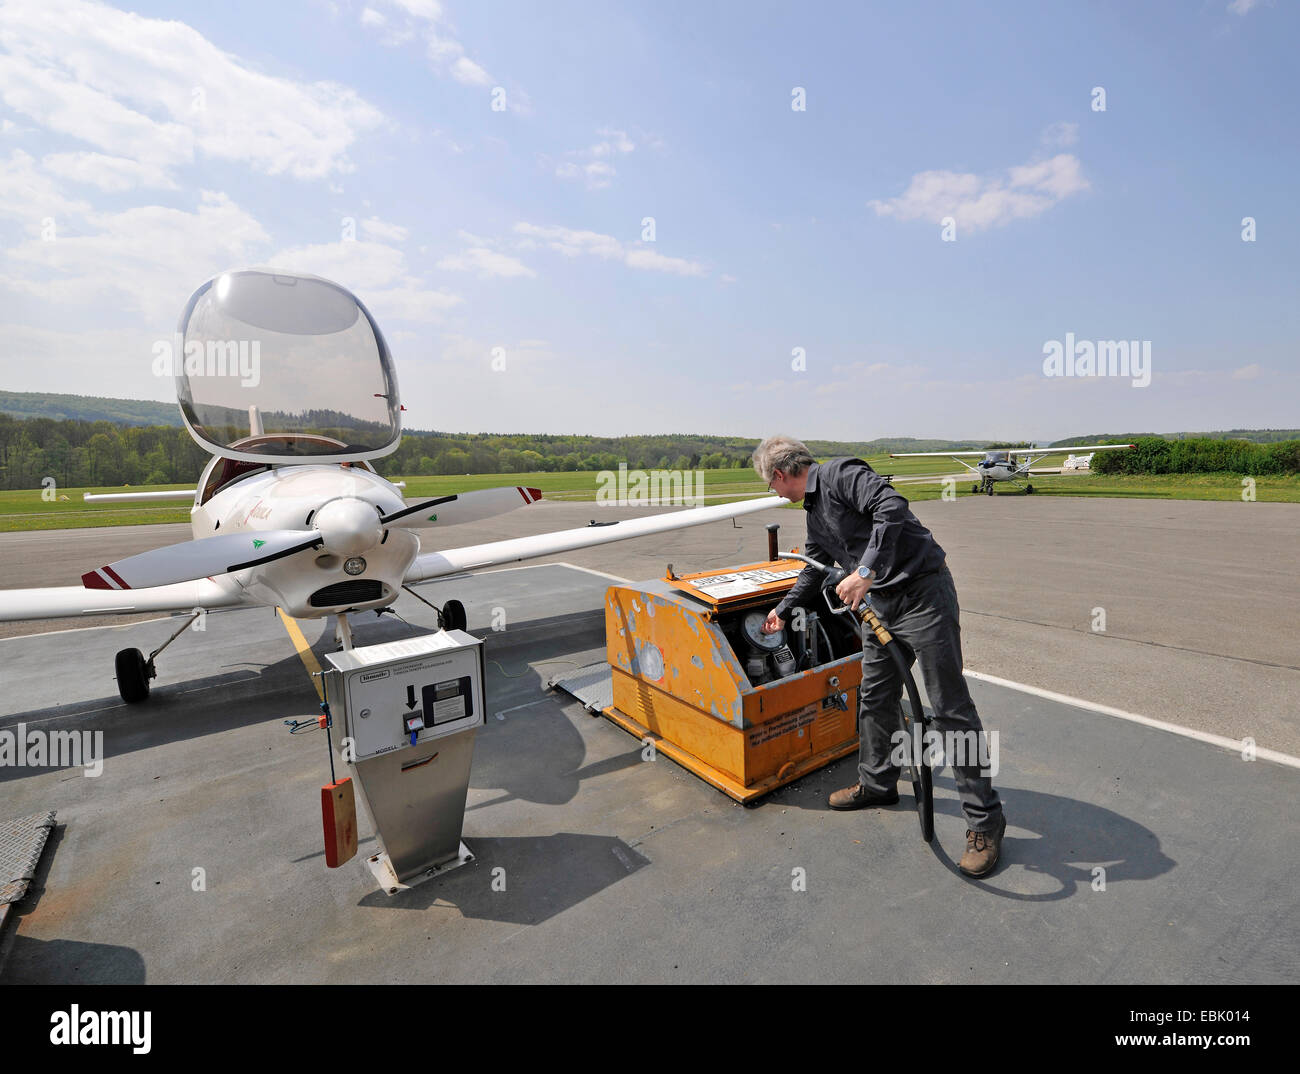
<point x="1156" y="455"/>
<point x="100" y="453"/>
<point x="78" y="453"/>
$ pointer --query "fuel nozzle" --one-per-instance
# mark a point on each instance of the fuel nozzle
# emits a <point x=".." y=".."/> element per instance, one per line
<point x="864" y="612"/>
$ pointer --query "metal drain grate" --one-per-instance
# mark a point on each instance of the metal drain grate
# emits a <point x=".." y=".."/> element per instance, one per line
<point x="21" y="842"/>
<point x="593" y="685"/>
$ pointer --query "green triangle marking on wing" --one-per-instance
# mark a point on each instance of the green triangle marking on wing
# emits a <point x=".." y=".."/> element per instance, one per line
<point x="257" y="543"/>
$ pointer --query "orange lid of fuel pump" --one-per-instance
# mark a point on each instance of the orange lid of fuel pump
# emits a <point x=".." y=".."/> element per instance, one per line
<point x="731" y="586"/>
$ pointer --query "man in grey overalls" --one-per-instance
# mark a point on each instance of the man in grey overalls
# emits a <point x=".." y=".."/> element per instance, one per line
<point x="856" y="519"/>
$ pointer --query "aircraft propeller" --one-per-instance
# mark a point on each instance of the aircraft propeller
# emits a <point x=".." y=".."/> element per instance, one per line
<point x="345" y="527"/>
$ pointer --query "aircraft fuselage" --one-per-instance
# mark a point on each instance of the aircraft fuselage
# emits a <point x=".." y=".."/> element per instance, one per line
<point x="344" y="504"/>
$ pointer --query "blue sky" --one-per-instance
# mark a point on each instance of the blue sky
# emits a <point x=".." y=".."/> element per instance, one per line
<point x="165" y="143"/>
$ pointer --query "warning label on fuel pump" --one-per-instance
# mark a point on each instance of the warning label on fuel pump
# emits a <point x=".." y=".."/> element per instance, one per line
<point x="737" y="584"/>
<point x="784" y="725"/>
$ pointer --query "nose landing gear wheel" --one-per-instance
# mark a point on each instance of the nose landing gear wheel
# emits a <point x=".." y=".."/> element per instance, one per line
<point x="453" y="616"/>
<point x="988" y="487"/>
<point x="133" y="675"/>
<point x="975" y="487"/>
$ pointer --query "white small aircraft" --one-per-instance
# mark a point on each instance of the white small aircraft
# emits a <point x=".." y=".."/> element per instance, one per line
<point x="995" y="466"/>
<point x="286" y="380"/>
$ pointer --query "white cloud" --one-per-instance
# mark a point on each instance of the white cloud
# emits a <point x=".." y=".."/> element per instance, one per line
<point x="108" y="173"/>
<point x="485" y="263"/>
<point x="1242" y="7"/>
<point x="573" y="243"/>
<point x="159" y="93"/>
<point x="358" y="264"/>
<point x="28" y="194"/>
<point x="644" y="258"/>
<point x="376" y="272"/>
<point x="1060" y="135"/>
<point x="978" y="203"/>
<point x="1247" y="372"/>
<point x="410" y="302"/>
<point x="617" y="142"/>
<point x="145" y="259"/>
<point x="421" y="9"/>
<point x="446" y="54"/>
<point x="374" y="228"/>
<point x="439" y="135"/>
<point x="468" y="73"/>
<point x="388" y="34"/>
<point x="594" y="162"/>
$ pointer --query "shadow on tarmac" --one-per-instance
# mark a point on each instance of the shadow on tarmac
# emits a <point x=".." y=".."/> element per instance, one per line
<point x="31" y="961"/>
<point x="557" y="871"/>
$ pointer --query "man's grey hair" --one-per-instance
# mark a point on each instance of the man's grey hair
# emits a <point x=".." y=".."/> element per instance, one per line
<point x="783" y="453"/>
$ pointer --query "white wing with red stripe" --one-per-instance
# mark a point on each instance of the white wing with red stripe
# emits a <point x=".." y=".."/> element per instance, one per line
<point x="65" y="601"/>
<point x="452" y="561"/>
<point x="196" y="559"/>
<point x="462" y="507"/>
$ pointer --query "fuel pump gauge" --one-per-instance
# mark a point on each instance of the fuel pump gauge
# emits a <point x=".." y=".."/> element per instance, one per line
<point x="752" y="625"/>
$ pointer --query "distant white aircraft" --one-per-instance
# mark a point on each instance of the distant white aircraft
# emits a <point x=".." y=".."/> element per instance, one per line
<point x="286" y="380"/>
<point x="995" y="466"/>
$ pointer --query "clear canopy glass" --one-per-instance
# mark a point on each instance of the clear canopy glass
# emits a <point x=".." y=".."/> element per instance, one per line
<point x="281" y="366"/>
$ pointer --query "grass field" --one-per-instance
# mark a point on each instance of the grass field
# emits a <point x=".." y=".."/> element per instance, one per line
<point x="26" y="510"/>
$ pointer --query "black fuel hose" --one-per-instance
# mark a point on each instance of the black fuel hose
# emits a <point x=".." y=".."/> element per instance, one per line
<point x="865" y="616"/>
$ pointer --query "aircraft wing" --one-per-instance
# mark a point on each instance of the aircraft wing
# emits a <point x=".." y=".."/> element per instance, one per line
<point x="58" y="602"/>
<point x="432" y="565"/>
<point x="940" y="454"/>
<point x="1014" y="451"/>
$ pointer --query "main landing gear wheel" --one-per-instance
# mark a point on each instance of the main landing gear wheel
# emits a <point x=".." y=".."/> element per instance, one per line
<point x="919" y="773"/>
<point x="975" y="487"/>
<point x="453" y="616"/>
<point x="133" y="675"/>
<point x="989" y="488"/>
<point x="1029" y="490"/>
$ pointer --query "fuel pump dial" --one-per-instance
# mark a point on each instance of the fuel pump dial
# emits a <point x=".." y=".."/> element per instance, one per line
<point x="752" y="625"/>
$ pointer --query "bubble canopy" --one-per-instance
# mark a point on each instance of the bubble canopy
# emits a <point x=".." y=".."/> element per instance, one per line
<point x="282" y="367"/>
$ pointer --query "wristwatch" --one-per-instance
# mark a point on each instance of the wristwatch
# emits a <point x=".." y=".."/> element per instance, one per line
<point x="866" y="572"/>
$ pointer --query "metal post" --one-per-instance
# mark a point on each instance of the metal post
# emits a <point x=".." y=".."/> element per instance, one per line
<point x="772" y="527"/>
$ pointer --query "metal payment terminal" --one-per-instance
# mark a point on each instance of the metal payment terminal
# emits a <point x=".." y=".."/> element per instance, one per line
<point x="410" y="712"/>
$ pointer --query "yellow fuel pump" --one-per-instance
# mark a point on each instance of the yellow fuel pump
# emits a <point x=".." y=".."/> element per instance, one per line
<point x="747" y="712"/>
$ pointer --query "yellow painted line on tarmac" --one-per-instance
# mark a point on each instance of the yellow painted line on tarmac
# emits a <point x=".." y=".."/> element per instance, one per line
<point x="309" y="660"/>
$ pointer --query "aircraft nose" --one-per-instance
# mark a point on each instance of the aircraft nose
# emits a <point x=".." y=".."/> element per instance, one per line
<point x="348" y="527"/>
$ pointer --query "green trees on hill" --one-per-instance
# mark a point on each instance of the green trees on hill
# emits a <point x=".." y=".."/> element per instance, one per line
<point x="100" y="453"/>
<point x="94" y="453"/>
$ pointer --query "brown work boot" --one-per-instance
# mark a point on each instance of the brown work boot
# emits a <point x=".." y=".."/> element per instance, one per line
<point x="858" y="797"/>
<point x="983" y="849"/>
